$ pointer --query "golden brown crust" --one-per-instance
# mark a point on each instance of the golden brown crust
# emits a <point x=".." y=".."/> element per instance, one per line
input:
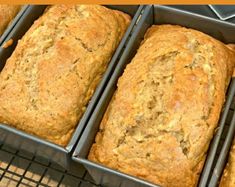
<point x="7" y="14"/>
<point x="54" y="70"/>
<point x="161" y="119"/>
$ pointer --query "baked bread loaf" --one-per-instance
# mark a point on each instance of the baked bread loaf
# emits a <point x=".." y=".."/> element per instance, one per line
<point x="162" y="117"/>
<point x="54" y="70"/>
<point x="7" y="14"/>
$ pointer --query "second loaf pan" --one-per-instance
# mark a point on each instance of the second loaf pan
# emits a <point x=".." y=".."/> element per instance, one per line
<point x="152" y="15"/>
<point x="39" y="147"/>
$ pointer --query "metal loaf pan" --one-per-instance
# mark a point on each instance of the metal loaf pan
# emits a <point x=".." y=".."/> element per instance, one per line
<point x="152" y="15"/>
<point x="12" y="24"/>
<point x="39" y="147"/>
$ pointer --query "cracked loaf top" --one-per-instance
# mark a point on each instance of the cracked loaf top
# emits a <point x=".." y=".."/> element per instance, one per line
<point x="7" y="14"/>
<point x="54" y="70"/>
<point x="162" y="117"/>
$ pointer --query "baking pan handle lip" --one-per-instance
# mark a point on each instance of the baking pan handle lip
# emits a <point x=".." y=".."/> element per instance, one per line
<point x="103" y="168"/>
<point x="194" y="14"/>
<point x="221" y="17"/>
<point x="32" y="137"/>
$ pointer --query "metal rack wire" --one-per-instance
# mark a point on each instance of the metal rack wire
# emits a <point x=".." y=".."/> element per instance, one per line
<point x="22" y="169"/>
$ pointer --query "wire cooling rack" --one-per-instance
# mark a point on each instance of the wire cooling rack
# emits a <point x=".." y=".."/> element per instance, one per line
<point x="21" y="169"/>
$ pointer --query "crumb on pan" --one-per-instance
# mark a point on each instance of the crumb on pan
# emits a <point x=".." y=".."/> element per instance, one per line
<point x="7" y="44"/>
